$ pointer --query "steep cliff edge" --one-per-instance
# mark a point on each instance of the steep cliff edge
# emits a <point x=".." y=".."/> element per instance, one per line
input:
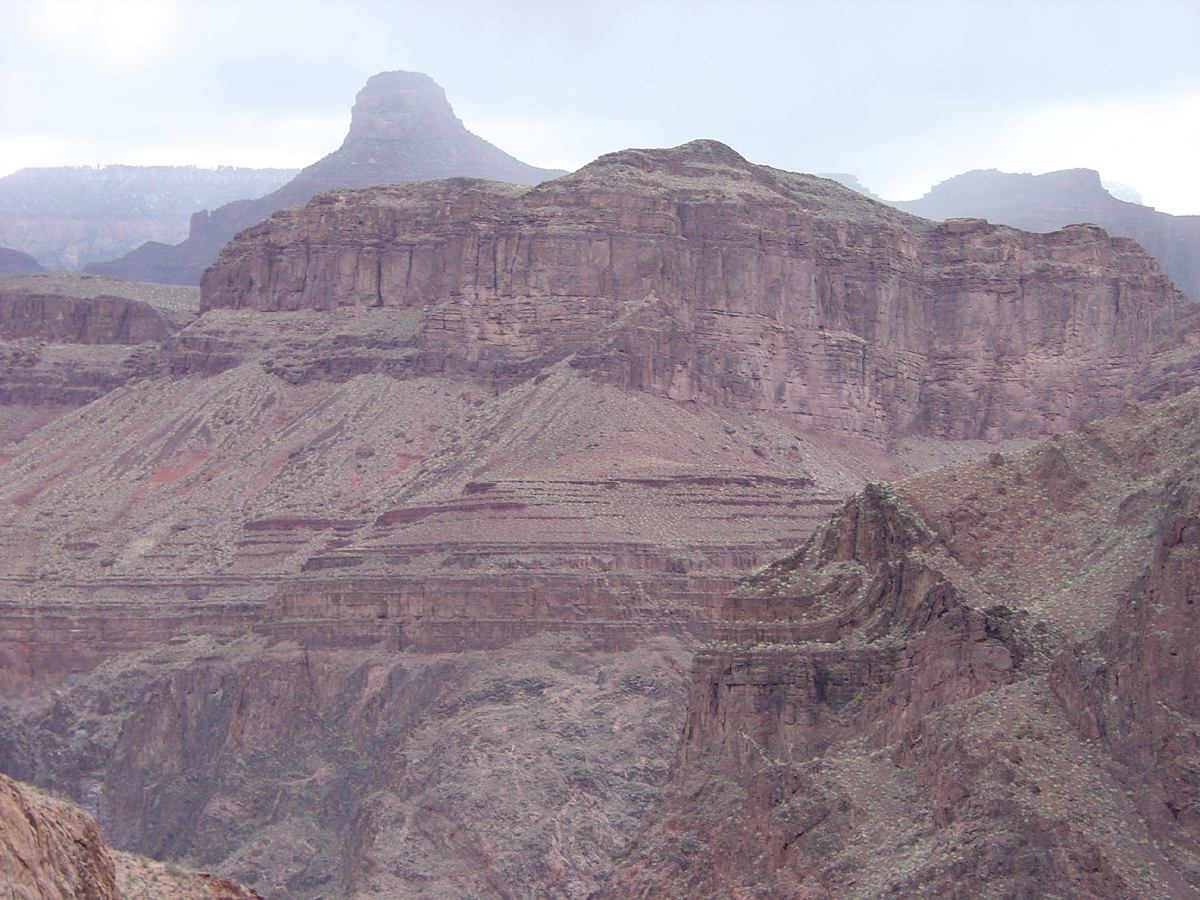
<point x="697" y="276"/>
<point x="401" y="129"/>
<point x="49" y="851"/>
<point x="978" y="682"/>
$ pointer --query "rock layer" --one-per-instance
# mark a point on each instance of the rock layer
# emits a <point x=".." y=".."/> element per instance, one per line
<point x="1056" y="199"/>
<point x="974" y="683"/>
<point x="695" y="275"/>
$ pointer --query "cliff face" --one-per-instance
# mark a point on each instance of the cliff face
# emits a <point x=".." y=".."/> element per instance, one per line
<point x="49" y="851"/>
<point x="975" y="682"/>
<point x="383" y="574"/>
<point x="67" y="217"/>
<point x="401" y="129"/>
<point x="694" y="275"/>
<point x="1056" y="199"/>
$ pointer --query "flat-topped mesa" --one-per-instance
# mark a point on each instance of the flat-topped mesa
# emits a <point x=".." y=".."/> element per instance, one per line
<point x="696" y="275"/>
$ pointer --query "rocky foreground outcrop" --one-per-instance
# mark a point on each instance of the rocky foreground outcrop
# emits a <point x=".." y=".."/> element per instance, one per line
<point x="977" y="682"/>
<point x="401" y="129"/>
<point x="50" y="851"/>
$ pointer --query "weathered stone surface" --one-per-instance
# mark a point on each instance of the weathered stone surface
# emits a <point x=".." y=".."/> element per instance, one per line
<point x="977" y="682"/>
<point x="401" y="129"/>
<point x="50" y="851"/>
<point x="1056" y="199"/>
<point x="695" y="275"/>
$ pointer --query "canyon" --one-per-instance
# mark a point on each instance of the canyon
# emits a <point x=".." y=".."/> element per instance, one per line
<point x="66" y="217"/>
<point x="378" y="567"/>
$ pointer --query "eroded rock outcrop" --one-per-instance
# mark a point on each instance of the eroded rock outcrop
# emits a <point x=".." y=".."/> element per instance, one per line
<point x="50" y="851"/>
<point x="695" y="275"/>
<point x="975" y="682"/>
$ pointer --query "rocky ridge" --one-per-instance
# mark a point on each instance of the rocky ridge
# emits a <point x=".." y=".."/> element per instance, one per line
<point x="402" y="128"/>
<point x="975" y="682"/>
<point x="1056" y="199"/>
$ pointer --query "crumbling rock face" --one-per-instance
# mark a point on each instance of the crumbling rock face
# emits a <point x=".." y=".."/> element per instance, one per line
<point x="694" y="275"/>
<point x="978" y="682"/>
<point x="50" y="851"/>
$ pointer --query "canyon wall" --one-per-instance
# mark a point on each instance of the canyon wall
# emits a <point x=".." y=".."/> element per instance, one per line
<point x="697" y="276"/>
<point x="383" y="572"/>
<point x="975" y="682"/>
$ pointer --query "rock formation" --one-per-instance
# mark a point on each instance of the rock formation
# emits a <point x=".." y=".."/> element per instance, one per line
<point x="50" y="851"/>
<point x="67" y="217"/>
<point x="14" y="261"/>
<point x="694" y="275"/>
<point x="977" y="682"/>
<point x="401" y="129"/>
<point x="382" y="575"/>
<point x="1057" y="199"/>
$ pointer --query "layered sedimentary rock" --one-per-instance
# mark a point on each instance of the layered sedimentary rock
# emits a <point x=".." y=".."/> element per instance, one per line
<point x="383" y="574"/>
<point x="67" y="339"/>
<point x="401" y="129"/>
<point x="695" y="275"/>
<point x="977" y="682"/>
<point x="1056" y="199"/>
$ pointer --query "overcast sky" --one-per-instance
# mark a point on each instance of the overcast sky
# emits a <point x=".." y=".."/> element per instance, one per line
<point x="901" y="94"/>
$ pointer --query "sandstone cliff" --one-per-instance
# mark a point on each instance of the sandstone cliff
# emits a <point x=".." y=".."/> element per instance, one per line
<point x="694" y="275"/>
<point x="1056" y="199"/>
<point x="401" y="129"/>
<point x="67" y="217"/>
<point x="977" y="682"/>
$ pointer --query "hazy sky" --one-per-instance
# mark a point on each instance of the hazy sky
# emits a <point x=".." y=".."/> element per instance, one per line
<point x="901" y="94"/>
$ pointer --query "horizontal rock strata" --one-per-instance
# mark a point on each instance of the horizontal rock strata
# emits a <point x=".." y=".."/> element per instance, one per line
<point x="696" y="276"/>
<point x="978" y="680"/>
